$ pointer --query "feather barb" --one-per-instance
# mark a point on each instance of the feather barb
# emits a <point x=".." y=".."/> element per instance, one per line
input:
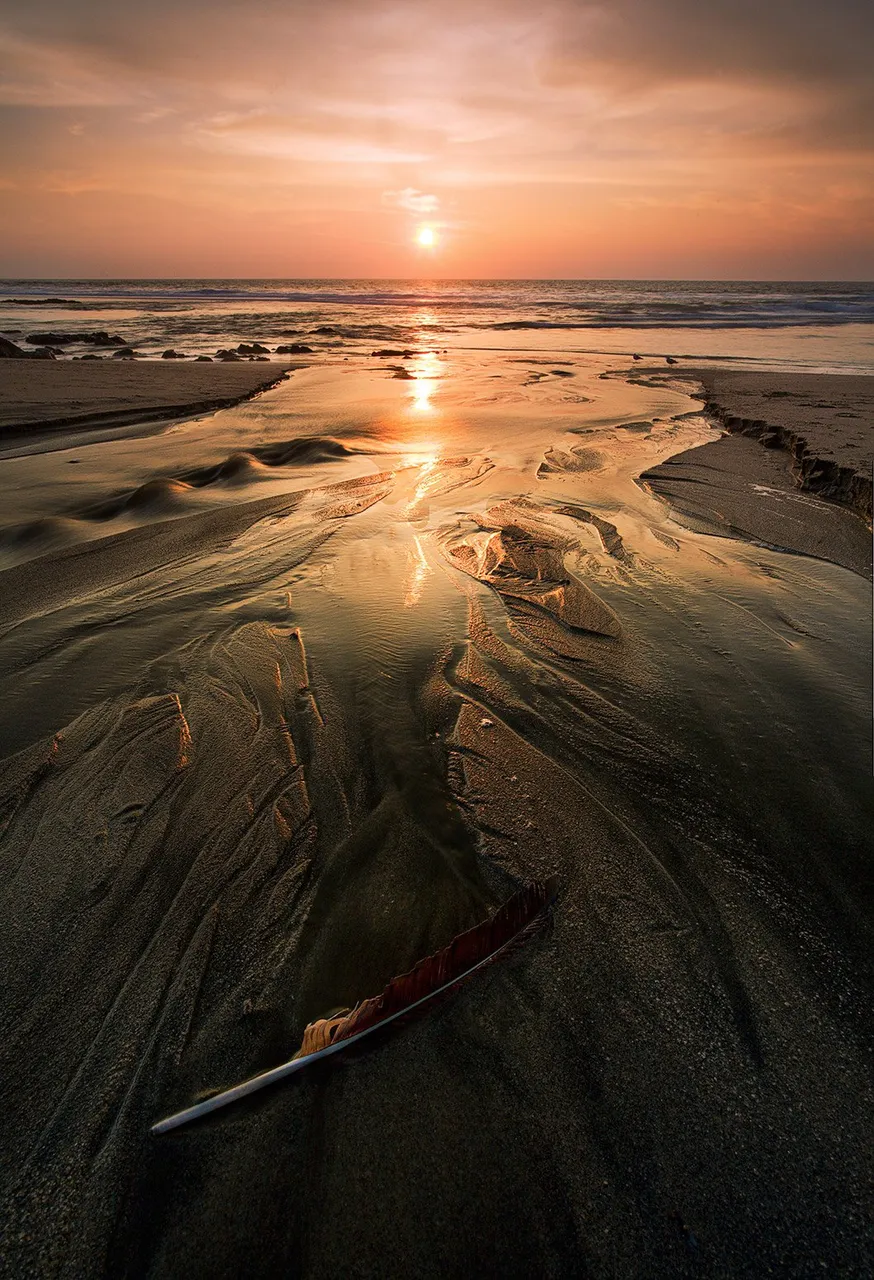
<point x="405" y="997"/>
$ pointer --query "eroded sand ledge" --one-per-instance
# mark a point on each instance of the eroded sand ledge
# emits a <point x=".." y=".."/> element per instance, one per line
<point x="808" y="490"/>
<point x="824" y="420"/>
<point x="39" y="397"/>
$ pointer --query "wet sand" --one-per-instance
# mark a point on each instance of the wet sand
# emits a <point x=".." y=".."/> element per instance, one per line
<point x="40" y="398"/>
<point x="293" y="694"/>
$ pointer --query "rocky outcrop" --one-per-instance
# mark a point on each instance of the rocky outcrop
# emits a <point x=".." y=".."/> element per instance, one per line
<point x="69" y="304"/>
<point x="294" y="349"/>
<point x="9" y="351"/>
<point x="99" y="338"/>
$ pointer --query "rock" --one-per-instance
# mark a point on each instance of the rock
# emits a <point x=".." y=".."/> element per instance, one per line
<point x="53" y="339"/>
<point x="227" y="355"/>
<point x="41" y="353"/>
<point x="100" y="338"/>
<point x="390" y="351"/>
<point x="263" y="358"/>
<point x="294" y="349"/>
<point x="173" y="355"/>
<point x="326" y="330"/>
<point x="124" y="353"/>
<point x="203" y="359"/>
<point x="9" y="351"/>
<point x="252" y="349"/>
<point x="69" y="304"/>
<point x="92" y="356"/>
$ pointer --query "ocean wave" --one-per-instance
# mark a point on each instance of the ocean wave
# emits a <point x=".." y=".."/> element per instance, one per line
<point x="383" y="310"/>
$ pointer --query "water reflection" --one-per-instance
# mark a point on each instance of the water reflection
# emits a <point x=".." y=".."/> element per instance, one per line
<point x="419" y="571"/>
<point x="426" y="368"/>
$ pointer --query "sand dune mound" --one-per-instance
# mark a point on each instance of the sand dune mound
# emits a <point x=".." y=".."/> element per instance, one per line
<point x="240" y="468"/>
<point x="161" y="496"/>
<point x="306" y="451"/>
<point x="37" y="536"/>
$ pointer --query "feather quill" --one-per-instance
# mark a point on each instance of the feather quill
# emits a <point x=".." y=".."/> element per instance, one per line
<point x="405" y="997"/>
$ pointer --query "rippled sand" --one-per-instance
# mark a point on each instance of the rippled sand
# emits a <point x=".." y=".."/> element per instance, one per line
<point x="292" y="694"/>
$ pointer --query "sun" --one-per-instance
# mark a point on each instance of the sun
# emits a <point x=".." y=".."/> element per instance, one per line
<point x="426" y="237"/>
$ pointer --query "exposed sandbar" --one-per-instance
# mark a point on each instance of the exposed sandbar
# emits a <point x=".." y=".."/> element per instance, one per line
<point x="808" y="490"/>
<point x="41" y="396"/>
<point x="826" y="421"/>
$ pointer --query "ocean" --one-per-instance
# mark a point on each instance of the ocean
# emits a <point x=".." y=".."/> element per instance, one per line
<point x="818" y="326"/>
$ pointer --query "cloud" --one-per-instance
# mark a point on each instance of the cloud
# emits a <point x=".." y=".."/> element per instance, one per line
<point x="583" y="105"/>
<point x="412" y="200"/>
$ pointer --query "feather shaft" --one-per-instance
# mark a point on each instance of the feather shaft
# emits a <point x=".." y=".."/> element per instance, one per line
<point x="266" y="1078"/>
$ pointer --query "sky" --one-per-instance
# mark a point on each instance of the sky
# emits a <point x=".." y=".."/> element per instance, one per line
<point x="724" y="139"/>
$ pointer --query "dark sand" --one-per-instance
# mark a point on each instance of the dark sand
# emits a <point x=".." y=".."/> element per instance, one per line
<point x="259" y="758"/>
<point x="795" y="472"/>
<point x="39" y="397"/>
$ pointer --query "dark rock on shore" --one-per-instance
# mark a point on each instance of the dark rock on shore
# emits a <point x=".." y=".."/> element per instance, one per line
<point x="203" y="359"/>
<point x="9" y="351"/>
<point x="173" y="355"/>
<point x="124" y="353"/>
<point x="294" y="349"/>
<point x="388" y="352"/>
<point x="252" y="349"/>
<point x="69" y="303"/>
<point x="100" y="338"/>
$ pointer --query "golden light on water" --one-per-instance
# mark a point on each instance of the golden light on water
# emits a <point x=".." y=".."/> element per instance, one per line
<point x="419" y="570"/>
<point x="426" y="370"/>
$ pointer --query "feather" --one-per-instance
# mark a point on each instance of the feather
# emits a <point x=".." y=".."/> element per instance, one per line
<point x="405" y="997"/>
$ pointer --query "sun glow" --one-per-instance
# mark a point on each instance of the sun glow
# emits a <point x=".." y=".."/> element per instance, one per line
<point x="426" y="237"/>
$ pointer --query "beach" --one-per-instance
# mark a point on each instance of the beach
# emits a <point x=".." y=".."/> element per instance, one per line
<point x="296" y="688"/>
